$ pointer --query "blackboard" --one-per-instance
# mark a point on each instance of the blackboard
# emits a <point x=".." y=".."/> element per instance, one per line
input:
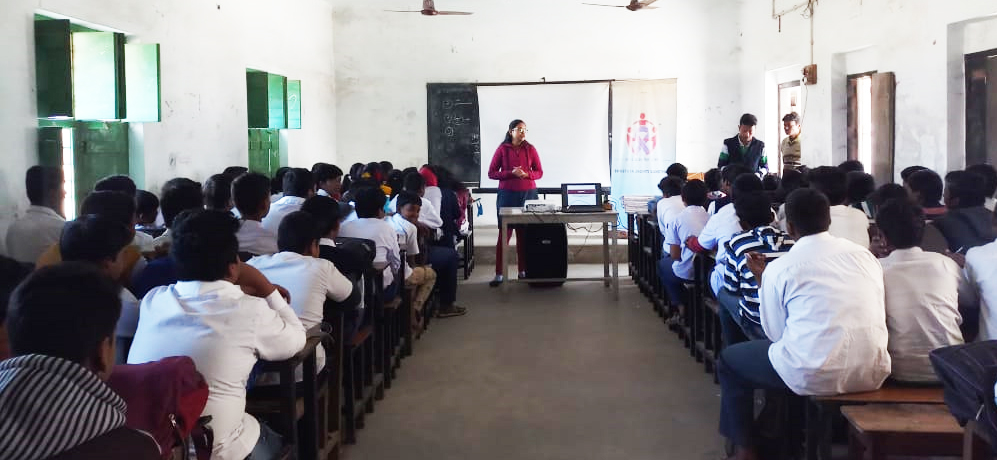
<point x="455" y="129"/>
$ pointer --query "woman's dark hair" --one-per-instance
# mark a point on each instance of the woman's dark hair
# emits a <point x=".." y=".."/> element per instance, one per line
<point x="250" y="192"/>
<point x="395" y="181"/>
<point x="297" y="231"/>
<point x="901" y="222"/>
<point x="413" y="182"/>
<point x="859" y="185"/>
<point x="178" y="195"/>
<point x="809" y="211"/>
<point x="407" y="198"/>
<point x="386" y="167"/>
<point x="204" y="244"/>
<point x="217" y="191"/>
<point x="64" y="311"/>
<point x="373" y="169"/>
<point x="694" y="193"/>
<point x="754" y="209"/>
<point x="678" y="170"/>
<point x="369" y="200"/>
<point x="712" y="179"/>
<point x="277" y="183"/>
<point x="447" y="179"/>
<point x="512" y="125"/>
<point x="115" y="206"/>
<point x="95" y="239"/>
<point x="146" y="203"/>
<point x="928" y="185"/>
<point x="326" y="212"/>
<point x="830" y="181"/>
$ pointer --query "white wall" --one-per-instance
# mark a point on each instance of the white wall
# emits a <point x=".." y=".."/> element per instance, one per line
<point x="205" y="48"/>
<point x="922" y="41"/>
<point x="385" y="59"/>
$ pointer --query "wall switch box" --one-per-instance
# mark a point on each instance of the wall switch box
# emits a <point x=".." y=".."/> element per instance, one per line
<point x="810" y="74"/>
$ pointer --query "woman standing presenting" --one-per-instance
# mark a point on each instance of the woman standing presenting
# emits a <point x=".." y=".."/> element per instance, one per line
<point x="516" y="166"/>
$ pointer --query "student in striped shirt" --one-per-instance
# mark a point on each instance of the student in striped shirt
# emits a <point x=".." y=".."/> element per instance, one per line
<point x="739" y="316"/>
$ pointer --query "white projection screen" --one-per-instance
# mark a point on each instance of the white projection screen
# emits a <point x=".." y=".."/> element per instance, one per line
<point x="568" y="124"/>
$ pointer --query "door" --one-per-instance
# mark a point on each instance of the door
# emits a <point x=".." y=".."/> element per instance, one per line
<point x="100" y="149"/>
<point x="264" y="151"/>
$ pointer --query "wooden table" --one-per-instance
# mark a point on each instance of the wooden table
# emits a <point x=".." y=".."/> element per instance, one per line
<point x="902" y="429"/>
<point x="608" y="219"/>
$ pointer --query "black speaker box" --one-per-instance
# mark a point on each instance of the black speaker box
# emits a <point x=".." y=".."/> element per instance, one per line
<point x="545" y="247"/>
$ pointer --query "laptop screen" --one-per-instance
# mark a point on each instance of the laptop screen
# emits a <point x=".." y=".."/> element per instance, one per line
<point x="580" y="194"/>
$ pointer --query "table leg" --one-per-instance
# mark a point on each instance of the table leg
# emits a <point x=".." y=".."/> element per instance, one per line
<point x="616" y="263"/>
<point x="605" y="254"/>
<point x="505" y="258"/>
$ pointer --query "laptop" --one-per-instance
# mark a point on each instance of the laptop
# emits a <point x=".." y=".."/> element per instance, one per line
<point x="581" y="198"/>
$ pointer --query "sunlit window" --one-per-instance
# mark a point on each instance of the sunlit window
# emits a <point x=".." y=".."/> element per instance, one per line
<point x="69" y="172"/>
<point x="864" y="101"/>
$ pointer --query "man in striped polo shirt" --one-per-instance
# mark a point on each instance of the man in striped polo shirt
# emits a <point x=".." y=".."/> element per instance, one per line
<point x="739" y="316"/>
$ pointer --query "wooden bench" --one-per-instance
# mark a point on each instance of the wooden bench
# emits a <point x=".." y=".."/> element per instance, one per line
<point x="822" y="409"/>
<point x="975" y="444"/>
<point x="879" y="430"/>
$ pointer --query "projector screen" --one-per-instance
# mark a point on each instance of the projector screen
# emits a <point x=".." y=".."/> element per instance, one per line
<point x="568" y="124"/>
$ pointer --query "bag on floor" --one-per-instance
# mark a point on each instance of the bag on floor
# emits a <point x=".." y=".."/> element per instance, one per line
<point x="968" y="373"/>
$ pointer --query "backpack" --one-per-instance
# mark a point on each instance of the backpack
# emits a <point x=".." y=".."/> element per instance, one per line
<point x="165" y="399"/>
<point x="968" y="373"/>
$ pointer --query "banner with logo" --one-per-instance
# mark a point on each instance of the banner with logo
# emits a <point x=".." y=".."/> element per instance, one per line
<point x="644" y="131"/>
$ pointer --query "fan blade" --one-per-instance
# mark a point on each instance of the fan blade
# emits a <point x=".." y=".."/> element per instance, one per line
<point x="598" y="4"/>
<point x="403" y="11"/>
<point x="645" y="3"/>
<point x="453" y="13"/>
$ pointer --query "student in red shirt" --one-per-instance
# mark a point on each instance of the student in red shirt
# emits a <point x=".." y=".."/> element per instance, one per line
<point x="516" y="166"/>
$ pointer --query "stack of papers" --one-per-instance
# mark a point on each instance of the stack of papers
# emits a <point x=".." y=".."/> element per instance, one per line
<point x="637" y="203"/>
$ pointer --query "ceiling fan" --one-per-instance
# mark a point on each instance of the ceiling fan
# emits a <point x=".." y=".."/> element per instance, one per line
<point x="633" y="6"/>
<point x="429" y="9"/>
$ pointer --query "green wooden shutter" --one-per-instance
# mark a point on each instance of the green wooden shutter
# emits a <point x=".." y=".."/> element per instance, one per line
<point x="142" y="90"/>
<point x="294" y="104"/>
<point x="101" y="150"/>
<point x="276" y="95"/>
<point x="53" y="68"/>
<point x="266" y="95"/>
<point x="264" y="151"/>
<point x="50" y="146"/>
<point x="98" y="76"/>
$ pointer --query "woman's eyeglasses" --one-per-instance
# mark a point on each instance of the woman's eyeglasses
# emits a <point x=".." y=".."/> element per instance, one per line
<point x="521" y="130"/>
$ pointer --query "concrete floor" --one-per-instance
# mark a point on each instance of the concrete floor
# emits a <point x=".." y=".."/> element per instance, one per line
<point x="562" y="373"/>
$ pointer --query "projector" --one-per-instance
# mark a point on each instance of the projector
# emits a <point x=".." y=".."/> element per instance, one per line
<point x="541" y="206"/>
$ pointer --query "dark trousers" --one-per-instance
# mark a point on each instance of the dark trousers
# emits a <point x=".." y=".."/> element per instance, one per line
<point x="735" y="328"/>
<point x="743" y="368"/>
<point x="671" y="281"/>
<point x="444" y="261"/>
<point x="511" y="199"/>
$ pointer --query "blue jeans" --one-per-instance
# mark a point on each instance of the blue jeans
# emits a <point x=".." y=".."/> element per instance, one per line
<point x="444" y="260"/>
<point x="743" y="368"/>
<point x="671" y="281"/>
<point x="735" y="328"/>
<point x="268" y="446"/>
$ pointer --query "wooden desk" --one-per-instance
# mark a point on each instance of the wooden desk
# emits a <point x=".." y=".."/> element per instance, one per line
<point x="880" y="430"/>
<point x="608" y="219"/>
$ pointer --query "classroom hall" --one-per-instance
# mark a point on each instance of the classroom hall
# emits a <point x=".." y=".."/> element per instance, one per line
<point x="158" y="90"/>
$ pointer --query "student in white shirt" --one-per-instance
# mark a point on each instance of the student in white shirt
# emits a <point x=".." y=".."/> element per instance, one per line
<point x="310" y="280"/>
<point x="328" y="180"/>
<point x="822" y="308"/>
<point x="846" y="222"/>
<point x="724" y="224"/>
<point x="217" y="192"/>
<point x="33" y="233"/>
<point x="677" y="267"/>
<point x="670" y="206"/>
<point x="298" y="187"/>
<point x="922" y="294"/>
<point x="978" y="292"/>
<point x="251" y="192"/>
<point x="428" y="214"/>
<point x="124" y="184"/>
<point x="178" y="195"/>
<point x="101" y="242"/>
<point x="989" y="175"/>
<point x="224" y="315"/>
<point x="372" y="226"/>
<point x="419" y="277"/>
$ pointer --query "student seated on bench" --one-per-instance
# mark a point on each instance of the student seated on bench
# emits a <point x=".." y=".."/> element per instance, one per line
<point x="724" y="223"/>
<point x="124" y="184"/>
<point x="846" y="221"/>
<point x="101" y="242"/>
<point x="370" y="225"/>
<point x="55" y="402"/>
<point x="251" y="192"/>
<point x="739" y="317"/>
<point x="925" y="188"/>
<point x="822" y="309"/>
<point x="967" y="224"/>
<point x="922" y="294"/>
<point x="179" y="194"/>
<point x="676" y="267"/>
<point x="309" y="279"/>
<point x="224" y="315"/>
<point x="978" y="291"/>
<point x="670" y="205"/>
<point x="299" y="185"/>
<point x="417" y="276"/>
